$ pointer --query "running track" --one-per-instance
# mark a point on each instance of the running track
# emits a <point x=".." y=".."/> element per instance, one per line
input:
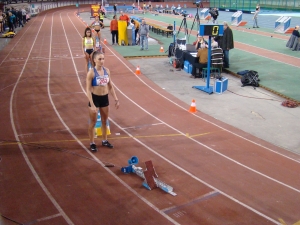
<point x="48" y="176"/>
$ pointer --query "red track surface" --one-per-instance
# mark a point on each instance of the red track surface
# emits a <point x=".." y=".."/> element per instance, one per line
<point x="221" y="175"/>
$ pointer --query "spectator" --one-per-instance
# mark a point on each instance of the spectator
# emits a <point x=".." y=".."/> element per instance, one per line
<point x="114" y="30"/>
<point x="10" y="21"/>
<point x="14" y="15"/>
<point x="115" y="9"/>
<point x="124" y="17"/>
<point x="20" y="18"/>
<point x="226" y="43"/>
<point x="24" y="15"/>
<point x="144" y="35"/>
<point x="1" y="22"/>
<point x="137" y="27"/>
<point x="203" y="59"/>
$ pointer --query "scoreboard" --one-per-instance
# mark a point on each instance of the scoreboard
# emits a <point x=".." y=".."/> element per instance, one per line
<point x="211" y="30"/>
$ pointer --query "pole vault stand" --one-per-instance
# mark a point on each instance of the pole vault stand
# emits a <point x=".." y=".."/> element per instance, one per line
<point x="209" y="30"/>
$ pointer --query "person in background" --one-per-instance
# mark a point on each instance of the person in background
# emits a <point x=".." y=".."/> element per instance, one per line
<point x="20" y="18"/>
<point x="24" y="13"/>
<point x="88" y="46"/>
<point x="98" y="85"/>
<point x="101" y="18"/>
<point x="144" y="8"/>
<point x="137" y="28"/>
<point x="97" y="24"/>
<point x="133" y="8"/>
<point x="114" y="30"/>
<point x="214" y="43"/>
<point x="124" y="17"/>
<point x="294" y="40"/>
<point x="115" y="9"/>
<point x="226" y="43"/>
<point x="150" y="6"/>
<point x="255" y="24"/>
<point x="257" y="7"/>
<point x="200" y="40"/>
<point x="10" y="22"/>
<point x="214" y="14"/>
<point x="203" y="59"/>
<point x="14" y="15"/>
<point x="170" y="27"/>
<point x="296" y="31"/>
<point x="1" y="22"/>
<point x="144" y="35"/>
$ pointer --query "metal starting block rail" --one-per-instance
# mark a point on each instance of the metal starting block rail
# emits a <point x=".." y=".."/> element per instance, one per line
<point x="150" y="177"/>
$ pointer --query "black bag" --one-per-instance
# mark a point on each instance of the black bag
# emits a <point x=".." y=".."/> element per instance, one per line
<point x="176" y="63"/>
<point x="250" y="78"/>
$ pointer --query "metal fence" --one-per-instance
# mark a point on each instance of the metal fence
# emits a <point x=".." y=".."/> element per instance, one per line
<point x="249" y="5"/>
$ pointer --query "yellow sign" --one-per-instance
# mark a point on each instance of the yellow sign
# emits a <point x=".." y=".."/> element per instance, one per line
<point x="95" y="10"/>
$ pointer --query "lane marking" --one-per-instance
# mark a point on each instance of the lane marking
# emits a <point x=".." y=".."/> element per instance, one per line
<point x="88" y="151"/>
<point x="199" y="199"/>
<point x="175" y="165"/>
<point x="86" y="139"/>
<point x="35" y="174"/>
<point x="140" y="126"/>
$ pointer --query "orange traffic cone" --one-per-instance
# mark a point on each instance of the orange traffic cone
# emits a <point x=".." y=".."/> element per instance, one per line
<point x="137" y="71"/>
<point x="105" y="42"/>
<point x="193" y="107"/>
<point x="161" y="49"/>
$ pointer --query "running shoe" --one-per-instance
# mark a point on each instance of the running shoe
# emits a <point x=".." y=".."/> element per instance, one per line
<point x="107" y="144"/>
<point x="93" y="148"/>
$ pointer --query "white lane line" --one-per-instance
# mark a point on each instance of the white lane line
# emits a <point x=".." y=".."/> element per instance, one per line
<point x="269" y="51"/>
<point x="216" y="125"/>
<point x="35" y="174"/>
<point x="180" y="168"/>
<point x="198" y="179"/>
<point x="200" y="198"/>
<point x="140" y="126"/>
<point x="88" y="151"/>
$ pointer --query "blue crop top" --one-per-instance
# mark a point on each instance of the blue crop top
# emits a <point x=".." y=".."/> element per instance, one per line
<point x="100" y="80"/>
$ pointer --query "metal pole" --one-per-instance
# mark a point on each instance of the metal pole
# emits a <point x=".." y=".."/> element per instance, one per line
<point x="174" y="32"/>
<point x="208" y="63"/>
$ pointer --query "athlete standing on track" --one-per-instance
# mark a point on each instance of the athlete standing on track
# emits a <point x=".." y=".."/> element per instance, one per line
<point x="88" y="45"/>
<point x="96" y="25"/>
<point x="98" y="84"/>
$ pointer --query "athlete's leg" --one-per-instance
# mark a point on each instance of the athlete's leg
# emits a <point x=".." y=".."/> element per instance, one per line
<point x="87" y="59"/>
<point x="104" y="116"/>
<point x="91" y="128"/>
